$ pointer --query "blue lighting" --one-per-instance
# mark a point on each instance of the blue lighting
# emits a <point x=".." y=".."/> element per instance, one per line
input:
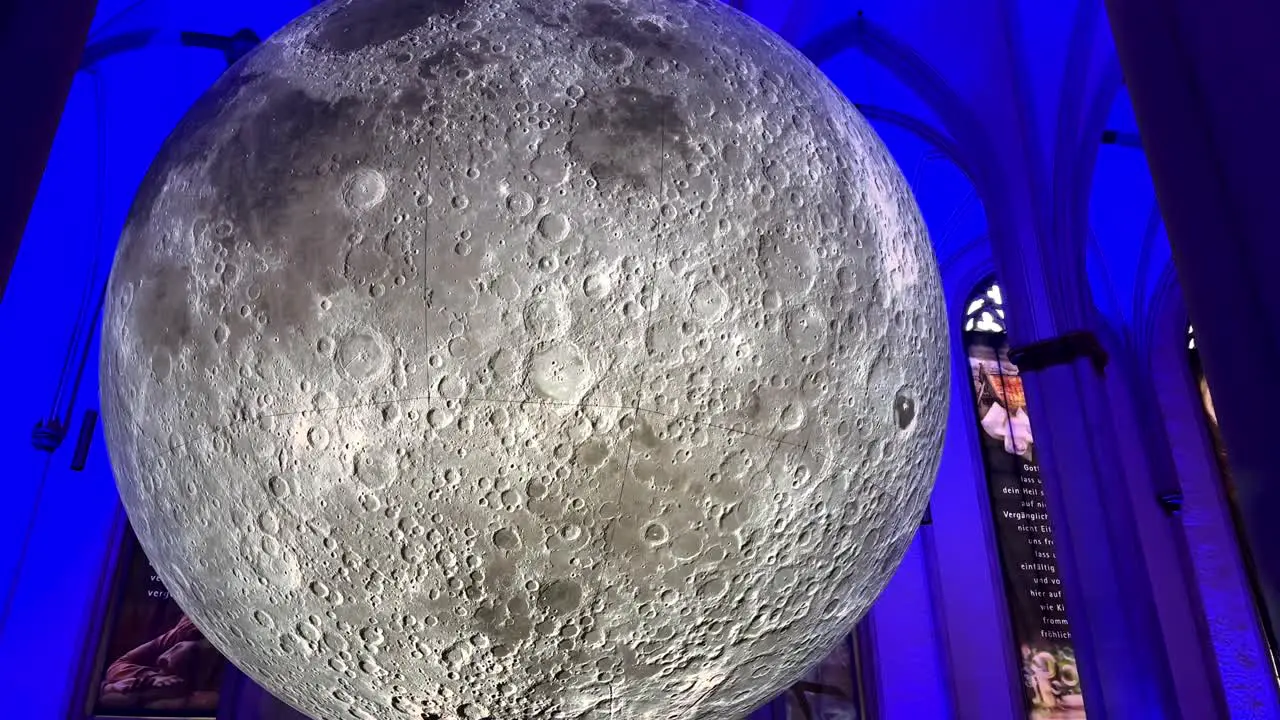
<point x="58" y="526"/>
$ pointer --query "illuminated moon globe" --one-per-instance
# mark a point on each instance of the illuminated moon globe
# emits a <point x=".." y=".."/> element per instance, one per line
<point x="524" y="359"/>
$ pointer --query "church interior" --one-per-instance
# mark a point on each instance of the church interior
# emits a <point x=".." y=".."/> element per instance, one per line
<point x="1100" y="541"/>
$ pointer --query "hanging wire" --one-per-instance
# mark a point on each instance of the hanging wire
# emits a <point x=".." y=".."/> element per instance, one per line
<point x="96" y="250"/>
<point x="82" y="332"/>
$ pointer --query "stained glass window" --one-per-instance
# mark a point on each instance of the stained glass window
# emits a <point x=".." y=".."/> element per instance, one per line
<point x="1037" y="609"/>
<point x="985" y="311"/>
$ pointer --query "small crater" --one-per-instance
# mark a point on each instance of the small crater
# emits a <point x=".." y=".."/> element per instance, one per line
<point x="560" y="597"/>
<point x="596" y="286"/>
<point x="560" y="373"/>
<point x="904" y="409"/>
<point x="709" y="300"/>
<point x="361" y="357"/>
<point x="610" y="55"/>
<point x="506" y="539"/>
<point x="553" y="227"/>
<point x="546" y="319"/>
<point x="655" y="533"/>
<point x="278" y="487"/>
<point x="364" y="190"/>
<point x="520" y="203"/>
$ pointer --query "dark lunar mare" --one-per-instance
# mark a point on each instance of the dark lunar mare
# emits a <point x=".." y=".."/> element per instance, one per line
<point x="364" y="23"/>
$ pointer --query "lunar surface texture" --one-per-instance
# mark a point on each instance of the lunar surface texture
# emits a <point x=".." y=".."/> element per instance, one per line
<point x="524" y="359"/>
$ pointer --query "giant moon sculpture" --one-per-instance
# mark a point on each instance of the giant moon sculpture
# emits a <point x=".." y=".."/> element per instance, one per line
<point x="524" y="359"/>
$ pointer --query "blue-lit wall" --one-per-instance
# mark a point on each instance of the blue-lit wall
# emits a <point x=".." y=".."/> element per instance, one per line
<point x="57" y="525"/>
<point x="58" y="528"/>
<point x="939" y="633"/>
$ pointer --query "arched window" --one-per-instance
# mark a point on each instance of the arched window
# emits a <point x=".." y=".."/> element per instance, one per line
<point x="1229" y="490"/>
<point x="1033" y="588"/>
<point x="985" y="311"/>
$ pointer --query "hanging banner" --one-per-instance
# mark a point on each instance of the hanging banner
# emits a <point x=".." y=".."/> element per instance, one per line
<point x="1023" y="533"/>
<point x="154" y="662"/>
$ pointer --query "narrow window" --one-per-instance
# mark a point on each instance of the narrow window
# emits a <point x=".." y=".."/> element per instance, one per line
<point x="1033" y="587"/>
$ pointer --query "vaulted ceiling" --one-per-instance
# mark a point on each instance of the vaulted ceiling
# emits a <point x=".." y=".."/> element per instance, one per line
<point x="987" y="105"/>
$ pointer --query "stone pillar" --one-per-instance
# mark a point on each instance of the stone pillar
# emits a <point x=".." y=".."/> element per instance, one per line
<point x="1111" y="603"/>
<point x="1109" y="592"/>
<point x="1204" y="80"/>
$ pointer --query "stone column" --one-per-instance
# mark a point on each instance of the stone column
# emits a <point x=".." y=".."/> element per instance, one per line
<point x="1111" y="604"/>
<point x="1204" y="80"/>
<point x="1110" y="596"/>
